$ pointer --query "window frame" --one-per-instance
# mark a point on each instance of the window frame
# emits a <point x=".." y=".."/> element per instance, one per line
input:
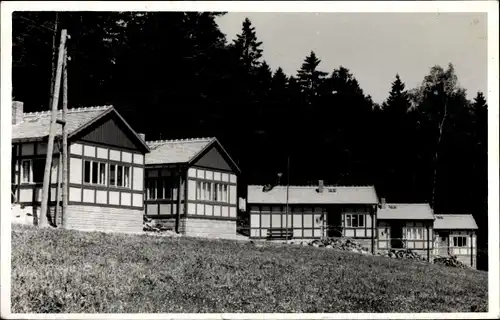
<point x="126" y="183"/>
<point x="349" y="220"/>
<point x="456" y="242"/>
<point x="210" y="191"/>
<point x="30" y="171"/>
<point x="98" y="164"/>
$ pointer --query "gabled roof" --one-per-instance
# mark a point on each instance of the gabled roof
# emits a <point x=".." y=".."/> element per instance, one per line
<point x="36" y="125"/>
<point x="406" y="211"/>
<point x="309" y="195"/>
<point x="454" y="221"/>
<point x="181" y="151"/>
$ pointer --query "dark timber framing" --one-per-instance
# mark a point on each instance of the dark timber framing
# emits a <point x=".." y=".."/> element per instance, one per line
<point x="315" y="231"/>
<point x="108" y="131"/>
<point x="426" y="224"/>
<point x="469" y="234"/>
<point x="106" y="187"/>
<point x="212" y="158"/>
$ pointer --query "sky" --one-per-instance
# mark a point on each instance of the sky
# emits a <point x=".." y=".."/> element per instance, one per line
<point x="373" y="46"/>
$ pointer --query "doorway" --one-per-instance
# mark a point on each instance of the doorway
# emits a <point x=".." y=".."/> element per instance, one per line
<point x="396" y="235"/>
<point x="334" y="222"/>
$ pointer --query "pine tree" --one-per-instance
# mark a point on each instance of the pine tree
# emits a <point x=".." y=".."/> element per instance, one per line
<point x="398" y="102"/>
<point x="279" y="82"/>
<point x="248" y="47"/>
<point x="264" y="76"/>
<point x="309" y="77"/>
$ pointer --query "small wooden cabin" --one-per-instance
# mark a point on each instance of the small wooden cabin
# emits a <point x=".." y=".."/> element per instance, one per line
<point x="105" y="169"/>
<point x="192" y="187"/>
<point x="455" y="235"/>
<point x="314" y="212"/>
<point x="405" y="226"/>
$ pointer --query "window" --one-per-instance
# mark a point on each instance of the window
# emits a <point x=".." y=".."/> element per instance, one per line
<point x="32" y="171"/>
<point x="102" y="173"/>
<point x="224" y="194"/>
<point x="460" y="241"/>
<point x="414" y="233"/>
<point x="94" y="172"/>
<point x="168" y="189"/>
<point x="119" y="176"/>
<point x="126" y="177"/>
<point x="152" y="189"/>
<point x="355" y="220"/>
<point x="211" y="191"/>
<point x="112" y="174"/>
<point x="38" y="170"/>
<point x="26" y="171"/>
<point x="198" y="190"/>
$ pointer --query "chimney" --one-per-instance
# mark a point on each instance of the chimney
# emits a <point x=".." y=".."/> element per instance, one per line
<point x="17" y="112"/>
<point x="382" y="203"/>
<point x="142" y="136"/>
<point x="321" y="186"/>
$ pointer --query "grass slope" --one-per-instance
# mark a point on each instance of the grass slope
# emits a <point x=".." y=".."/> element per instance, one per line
<point x="72" y="272"/>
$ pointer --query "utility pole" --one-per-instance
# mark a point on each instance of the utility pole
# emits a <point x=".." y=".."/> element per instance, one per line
<point x="52" y="132"/>
<point x="65" y="188"/>
<point x="54" y="53"/>
<point x="287" y="190"/>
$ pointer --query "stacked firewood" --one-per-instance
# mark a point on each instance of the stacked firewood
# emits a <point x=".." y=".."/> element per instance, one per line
<point x="155" y="227"/>
<point x="341" y="244"/>
<point x="405" y="254"/>
<point x="450" y="261"/>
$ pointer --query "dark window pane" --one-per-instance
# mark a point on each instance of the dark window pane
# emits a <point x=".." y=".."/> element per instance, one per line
<point x="126" y="180"/>
<point x="112" y="174"/>
<point x="26" y="171"/>
<point x="86" y="171"/>
<point x="102" y="173"/>
<point x="119" y="176"/>
<point x="95" y="172"/>
<point x="38" y="170"/>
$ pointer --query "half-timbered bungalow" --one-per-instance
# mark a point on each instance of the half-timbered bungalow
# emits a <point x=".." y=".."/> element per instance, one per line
<point x="105" y="169"/>
<point x="313" y="212"/>
<point x="405" y="226"/>
<point x="455" y="235"/>
<point x="192" y="187"/>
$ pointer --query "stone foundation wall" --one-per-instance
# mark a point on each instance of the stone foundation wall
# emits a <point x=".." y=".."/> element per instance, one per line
<point x="209" y="228"/>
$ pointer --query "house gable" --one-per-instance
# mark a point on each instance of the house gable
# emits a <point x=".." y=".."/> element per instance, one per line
<point x="214" y="158"/>
<point x="110" y="130"/>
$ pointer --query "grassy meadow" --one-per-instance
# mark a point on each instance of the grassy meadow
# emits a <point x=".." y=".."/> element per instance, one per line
<point x="61" y="271"/>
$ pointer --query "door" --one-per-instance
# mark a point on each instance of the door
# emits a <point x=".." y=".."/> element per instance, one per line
<point x="396" y="235"/>
<point x="334" y="222"/>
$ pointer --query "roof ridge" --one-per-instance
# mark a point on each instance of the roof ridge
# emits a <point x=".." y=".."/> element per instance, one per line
<point x="180" y="140"/>
<point x="70" y="110"/>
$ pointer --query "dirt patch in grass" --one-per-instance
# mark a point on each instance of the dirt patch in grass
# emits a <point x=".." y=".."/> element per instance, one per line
<point x="60" y="271"/>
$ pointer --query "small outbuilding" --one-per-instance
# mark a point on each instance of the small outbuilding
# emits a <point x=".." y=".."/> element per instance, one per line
<point x="105" y="169"/>
<point x="455" y="235"/>
<point x="313" y="212"/>
<point x="405" y="226"/>
<point x="191" y="187"/>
